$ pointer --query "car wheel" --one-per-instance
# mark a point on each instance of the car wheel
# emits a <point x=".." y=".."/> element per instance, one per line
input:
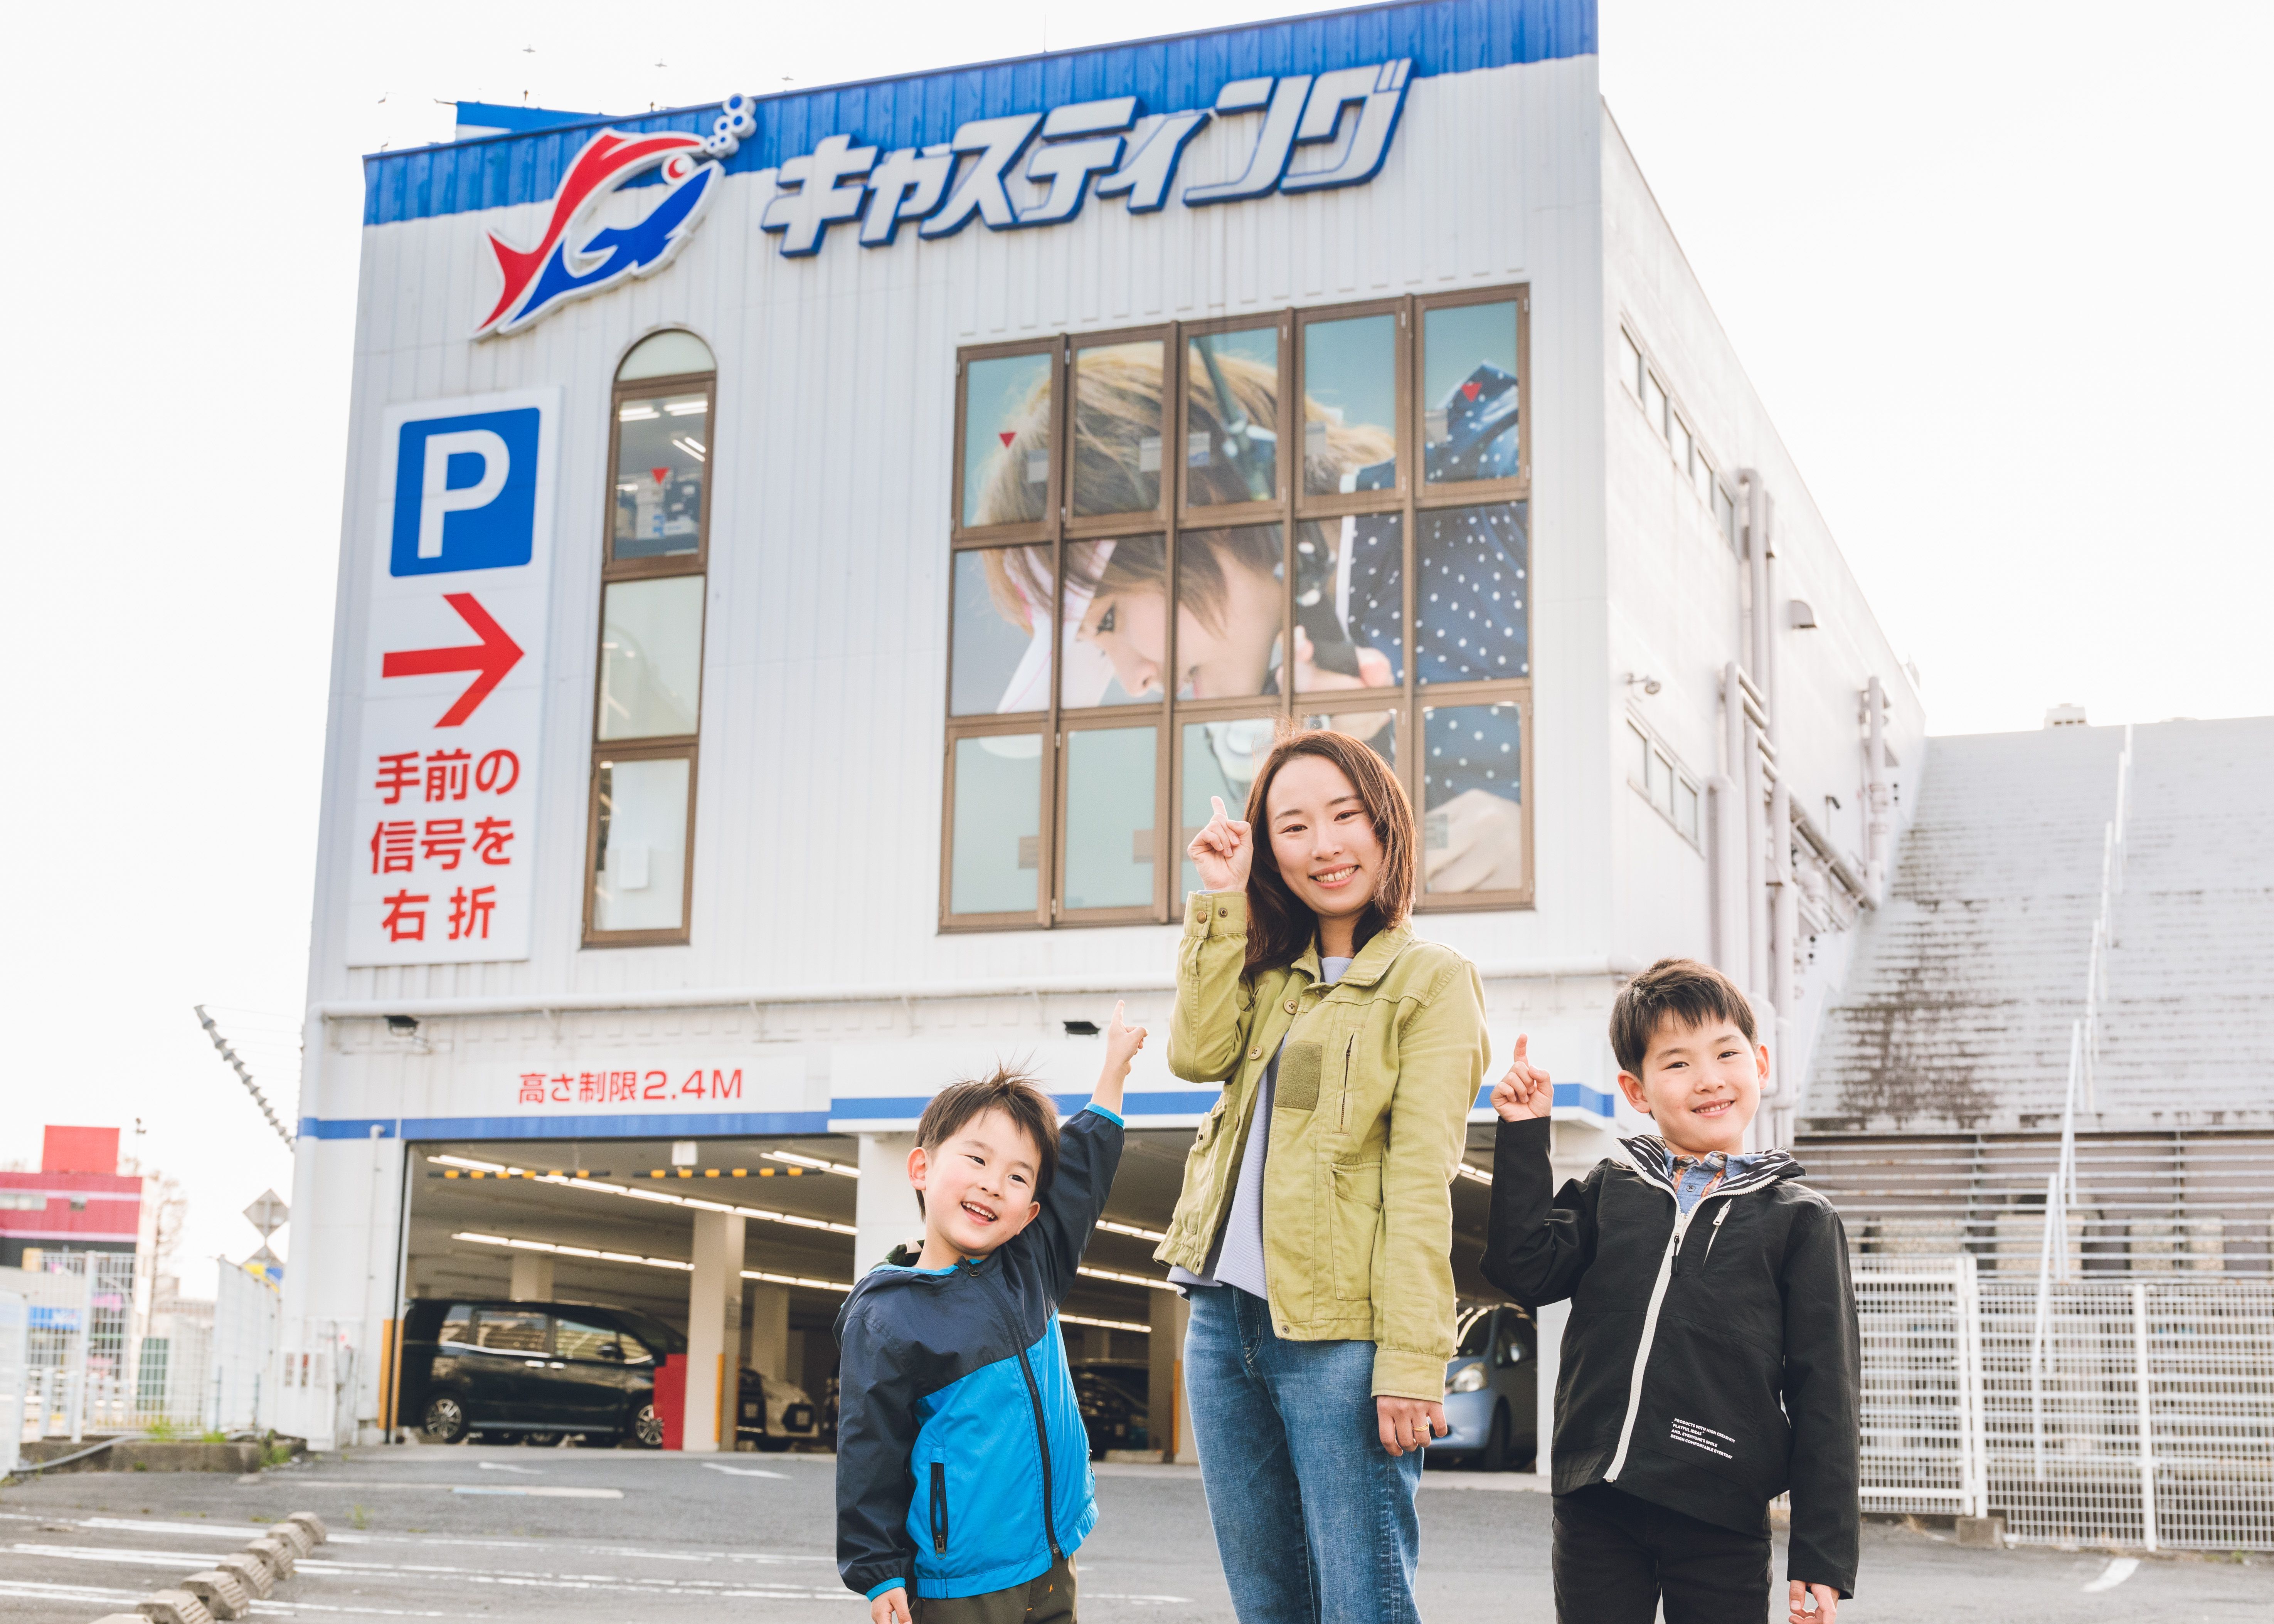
<point x="1495" y="1451"/>
<point x="646" y="1429"/>
<point x="445" y="1420"/>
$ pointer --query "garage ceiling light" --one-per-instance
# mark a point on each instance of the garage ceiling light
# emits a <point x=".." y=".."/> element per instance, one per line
<point x="1126" y="1280"/>
<point x="757" y="1275"/>
<point x="1107" y="1325"/>
<point x="572" y="1251"/>
<point x="838" y="1167"/>
<point x="1475" y="1175"/>
<point x="664" y="1197"/>
<point x="1131" y="1228"/>
<point x="797" y="1279"/>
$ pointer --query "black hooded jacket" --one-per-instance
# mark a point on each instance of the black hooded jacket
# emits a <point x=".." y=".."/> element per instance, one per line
<point x="1749" y="1377"/>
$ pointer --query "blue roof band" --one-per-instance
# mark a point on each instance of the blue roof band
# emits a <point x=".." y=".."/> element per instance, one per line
<point x="918" y="109"/>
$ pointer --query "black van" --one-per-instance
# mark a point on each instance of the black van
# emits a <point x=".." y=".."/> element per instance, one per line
<point x="510" y="1370"/>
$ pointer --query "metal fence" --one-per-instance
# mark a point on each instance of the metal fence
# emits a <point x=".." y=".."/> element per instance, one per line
<point x="2138" y="1411"/>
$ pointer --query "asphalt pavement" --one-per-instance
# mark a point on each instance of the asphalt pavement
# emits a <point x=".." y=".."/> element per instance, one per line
<point x="571" y="1536"/>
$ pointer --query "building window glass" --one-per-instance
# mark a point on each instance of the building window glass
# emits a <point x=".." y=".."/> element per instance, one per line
<point x="1120" y="653"/>
<point x="1653" y="403"/>
<point x="1630" y="365"/>
<point x="647" y="701"/>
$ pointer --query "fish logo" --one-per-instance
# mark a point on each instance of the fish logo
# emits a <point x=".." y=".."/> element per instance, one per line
<point x="567" y="264"/>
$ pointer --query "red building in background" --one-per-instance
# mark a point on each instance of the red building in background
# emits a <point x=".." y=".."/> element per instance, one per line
<point x="78" y="1201"/>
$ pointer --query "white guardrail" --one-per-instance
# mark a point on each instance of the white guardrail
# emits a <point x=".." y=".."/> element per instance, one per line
<point x="2134" y="1410"/>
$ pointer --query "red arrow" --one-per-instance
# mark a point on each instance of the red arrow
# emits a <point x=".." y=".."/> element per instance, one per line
<point x="493" y="657"/>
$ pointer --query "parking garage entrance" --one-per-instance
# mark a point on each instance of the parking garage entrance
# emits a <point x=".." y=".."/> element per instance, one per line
<point x="681" y="1293"/>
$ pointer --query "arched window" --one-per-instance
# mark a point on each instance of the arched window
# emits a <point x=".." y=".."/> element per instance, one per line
<point x="647" y="710"/>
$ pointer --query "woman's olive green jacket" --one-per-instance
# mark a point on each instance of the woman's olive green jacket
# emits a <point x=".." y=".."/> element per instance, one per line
<point x="1375" y="1090"/>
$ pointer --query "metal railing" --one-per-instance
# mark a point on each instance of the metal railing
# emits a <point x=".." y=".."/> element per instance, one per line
<point x="2135" y="1411"/>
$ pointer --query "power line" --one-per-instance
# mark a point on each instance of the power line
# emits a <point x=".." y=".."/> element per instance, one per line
<point x="243" y="1076"/>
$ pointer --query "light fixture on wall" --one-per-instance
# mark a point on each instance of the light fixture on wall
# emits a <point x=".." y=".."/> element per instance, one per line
<point x="1648" y="683"/>
<point x="1800" y="616"/>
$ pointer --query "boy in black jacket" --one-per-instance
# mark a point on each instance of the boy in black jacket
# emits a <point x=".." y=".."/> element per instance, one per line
<point x="1710" y="1359"/>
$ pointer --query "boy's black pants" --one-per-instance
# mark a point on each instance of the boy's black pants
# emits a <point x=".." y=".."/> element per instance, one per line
<point x="1616" y="1555"/>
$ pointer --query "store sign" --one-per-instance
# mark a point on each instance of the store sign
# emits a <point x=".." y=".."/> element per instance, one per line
<point x="1344" y="120"/>
<point x="1310" y="132"/>
<point x="443" y="840"/>
<point x="583" y="249"/>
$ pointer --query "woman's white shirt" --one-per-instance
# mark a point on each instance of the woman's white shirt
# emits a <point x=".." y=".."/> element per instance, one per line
<point x="1238" y="1257"/>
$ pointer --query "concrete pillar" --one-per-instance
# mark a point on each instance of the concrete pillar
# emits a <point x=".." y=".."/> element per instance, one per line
<point x="885" y="1212"/>
<point x="532" y="1277"/>
<point x="1169" y="1424"/>
<point x="768" y="1351"/>
<point x="714" y="1332"/>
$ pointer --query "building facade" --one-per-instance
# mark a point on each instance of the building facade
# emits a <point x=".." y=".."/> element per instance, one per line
<point x="809" y="561"/>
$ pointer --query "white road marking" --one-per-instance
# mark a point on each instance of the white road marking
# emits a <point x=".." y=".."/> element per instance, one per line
<point x="728" y="1587"/>
<point x="2119" y="1569"/>
<point x="744" y="1471"/>
<point x="468" y="1488"/>
<point x="530" y="1471"/>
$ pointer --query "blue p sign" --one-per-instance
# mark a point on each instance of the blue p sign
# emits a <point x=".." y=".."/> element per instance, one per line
<point x="465" y="493"/>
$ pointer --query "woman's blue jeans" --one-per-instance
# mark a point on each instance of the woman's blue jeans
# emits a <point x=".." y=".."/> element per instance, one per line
<point x="1314" y="1520"/>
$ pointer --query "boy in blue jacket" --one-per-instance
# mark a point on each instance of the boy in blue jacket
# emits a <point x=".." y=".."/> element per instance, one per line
<point x="963" y="1486"/>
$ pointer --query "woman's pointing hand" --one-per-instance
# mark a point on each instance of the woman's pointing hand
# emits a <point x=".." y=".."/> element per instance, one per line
<point x="1222" y="851"/>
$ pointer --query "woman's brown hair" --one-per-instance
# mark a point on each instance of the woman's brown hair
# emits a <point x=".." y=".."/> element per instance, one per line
<point x="1116" y="407"/>
<point x="1279" y="926"/>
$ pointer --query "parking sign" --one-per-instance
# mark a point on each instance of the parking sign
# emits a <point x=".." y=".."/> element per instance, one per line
<point x="444" y="836"/>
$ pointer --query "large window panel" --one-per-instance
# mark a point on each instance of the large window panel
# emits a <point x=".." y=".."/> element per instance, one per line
<point x="663" y="450"/>
<point x="1159" y="593"/>
<point x="1473" y="833"/>
<point x="639" y="849"/>
<point x="651" y="657"/>
<point x="1350" y="404"/>
<point x="1232" y="611"/>
<point x="1473" y="594"/>
<point x="995" y="844"/>
<point x="1118" y="393"/>
<point x="1469" y="391"/>
<point x="1350" y="603"/>
<point x="1117" y="638"/>
<point x="1109" y="819"/>
<point x="1232" y="416"/>
<point x="1001" y="632"/>
<point x="1007" y="440"/>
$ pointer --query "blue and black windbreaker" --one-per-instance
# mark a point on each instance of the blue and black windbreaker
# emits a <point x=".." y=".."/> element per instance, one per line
<point x="962" y="1466"/>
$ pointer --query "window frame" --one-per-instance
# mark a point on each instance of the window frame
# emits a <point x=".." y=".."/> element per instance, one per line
<point x="1049" y="526"/>
<point x="614" y="571"/>
<point x="1232" y="516"/>
<point x="1412" y="499"/>
<point x="1476" y="492"/>
<point x="1656" y="753"/>
<point x="644" y="749"/>
<point x="1108" y="526"/>
<point x="1046" y="854"/>
<point x="698" y="561"/>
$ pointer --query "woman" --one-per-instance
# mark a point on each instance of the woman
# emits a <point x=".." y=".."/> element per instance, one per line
<point x="1314" y="1232"/>
<point x="1349" y="633"/>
